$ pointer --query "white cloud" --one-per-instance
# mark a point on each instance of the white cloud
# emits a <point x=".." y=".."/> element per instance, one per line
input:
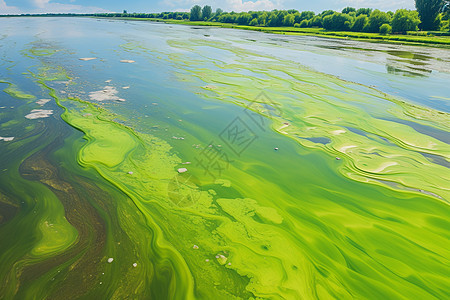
<point x="45" y="6"/>
<point x="226" y="5"/>
<point x="379" y="4"/>
<point x="182" y="10"/>
<point x="5" y="9"/>
<point x="66" y="8"/>
<point x="239" y="5"/>
<point x="41" y="3"/>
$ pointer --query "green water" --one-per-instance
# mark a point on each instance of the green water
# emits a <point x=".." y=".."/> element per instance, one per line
<point x="299" y="184"/>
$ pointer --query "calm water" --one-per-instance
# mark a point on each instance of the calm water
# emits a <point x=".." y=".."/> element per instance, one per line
<point x="316" y="168"/>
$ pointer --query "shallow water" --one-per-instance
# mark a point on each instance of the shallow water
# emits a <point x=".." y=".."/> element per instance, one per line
<point x="317" y="168"/>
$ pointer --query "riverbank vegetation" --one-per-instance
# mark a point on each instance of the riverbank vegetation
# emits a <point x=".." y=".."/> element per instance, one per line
<point x="429" y="24"/>
<point x="366" y="20"/>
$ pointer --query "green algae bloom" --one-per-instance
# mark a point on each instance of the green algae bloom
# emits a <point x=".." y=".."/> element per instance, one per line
<point x="342" y="195"/>
<point x="15" y="92"/>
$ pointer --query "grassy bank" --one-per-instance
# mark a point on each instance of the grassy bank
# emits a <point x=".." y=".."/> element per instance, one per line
<point x="424" y="40"/>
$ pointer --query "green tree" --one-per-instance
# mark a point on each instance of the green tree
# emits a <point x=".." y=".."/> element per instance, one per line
<point x="227" y="18"/>
<point x="297" y="17"/>
<point x="280" y="17"/>
<point x="276" y="18"/>
<point x="271" y="19"/>
<point x="446" y="15"/>
<point x="363" y="11"/>
<point x="428" y="13"/>
<point x="253" y="22"/>
<point x="445" y="24"/>
<point x="360" y="22"/>
<point x="348" y="9"/>
<point x="289" y="20"/>
<point x="244" y="19"/>
<point x="327" y="13"/>
<point x="316" y="22"/>
<point x="254" y="14"/>
<point x="196" y="13"/>
<point x="304" y="23"/>
<point x="385" y="29"/>
<point x="405" y="20"/>
<point x="337" y="21"/>
<point x="262" y="19"/>
<point x="376" y="19"/>
<point x="219" y="11"/>
<point x="206" y="12"/>
<point x="307" y="15"/>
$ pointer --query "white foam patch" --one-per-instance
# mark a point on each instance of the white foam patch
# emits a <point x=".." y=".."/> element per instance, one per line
<point x="39" y="114"/>
<point x="42" y="102"/>
<point x="107" y="94"/>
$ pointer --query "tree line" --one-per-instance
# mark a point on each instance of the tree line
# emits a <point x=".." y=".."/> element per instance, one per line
<point x="430" y="15"/>
<point x="350" y="19"/>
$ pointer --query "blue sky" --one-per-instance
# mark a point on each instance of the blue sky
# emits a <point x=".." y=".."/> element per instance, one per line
<point x="88" y="6"/>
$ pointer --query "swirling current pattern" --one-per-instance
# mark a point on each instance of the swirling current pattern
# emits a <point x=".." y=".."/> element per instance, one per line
<point x="102" y="201"/>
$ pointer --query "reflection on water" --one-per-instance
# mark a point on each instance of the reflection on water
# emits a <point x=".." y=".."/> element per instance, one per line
<point x="398" y="71"/>
<point x="419" y="74"/>
<point x="411" y="56"/>
<point x="430" y="58"/>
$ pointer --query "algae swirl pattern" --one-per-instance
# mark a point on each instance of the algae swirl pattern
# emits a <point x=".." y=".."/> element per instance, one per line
<point x="98" y="209"/>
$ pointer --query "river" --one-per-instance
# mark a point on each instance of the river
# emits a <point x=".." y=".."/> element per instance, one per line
<point x="154" y="161"/>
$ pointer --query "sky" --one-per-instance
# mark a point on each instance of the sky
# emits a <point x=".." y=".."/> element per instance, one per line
<point x="91" y="6"/>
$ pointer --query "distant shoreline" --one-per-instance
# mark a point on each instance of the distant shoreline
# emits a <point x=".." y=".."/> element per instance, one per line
<point x="429" y="41"/>
<point x="412" y="40"/>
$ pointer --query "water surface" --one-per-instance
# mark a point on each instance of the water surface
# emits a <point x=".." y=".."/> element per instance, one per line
<point x="316" y="168"/>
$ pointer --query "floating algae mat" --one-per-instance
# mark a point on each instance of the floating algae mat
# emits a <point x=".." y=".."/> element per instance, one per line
<point x="228" y="172"/>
